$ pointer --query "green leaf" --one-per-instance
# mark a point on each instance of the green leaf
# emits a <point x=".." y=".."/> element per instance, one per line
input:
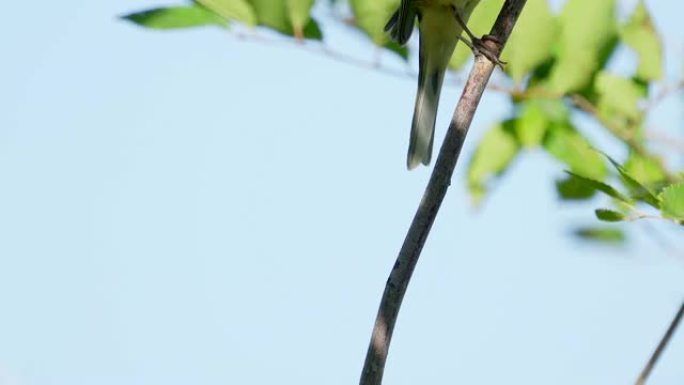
<point x="646" y="170"/>
<point x="272" y="13"/>
<point x="238" y="10"/>
<point x="672" y="198"/>
<point x="638" y="190"/>
<point x="601" y="234"/>
<point x="175" y="17"/>
<point x="480" y="23"/>
<point x="532" y="39"/>
<point x="494" y="153"/>
<point x="312" y="30"/>
<point x="371" y="17"/>
<point x="535" y="117"/>
<point x="588" y="33"/>
<point x="603" y="187"/>
<point x="618" y="97"/>
<point x="299" y="11"/>
<point x="571" y="188"/>
<point x="276" y="15"/>
<point x="609" y="215"/>
<point x="565" y="143"/>
<point x="640" y="35"/>
<point x="555" y="109"/>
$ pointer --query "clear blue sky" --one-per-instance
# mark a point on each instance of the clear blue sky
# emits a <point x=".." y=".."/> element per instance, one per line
<point x="189" y="208"/>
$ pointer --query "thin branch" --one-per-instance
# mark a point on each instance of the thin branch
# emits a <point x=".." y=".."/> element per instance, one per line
<point x="664" y="93"/>
<point x="435" y="192"/>
<point x="662" y="241"/>
<point x="661" y="346"/>
<point x="325" y="50"/>
<point x="666" y="140"/>
<point x="585" y="105"/>
<point x="320" y="48"/>
<point x="638" y="216"/>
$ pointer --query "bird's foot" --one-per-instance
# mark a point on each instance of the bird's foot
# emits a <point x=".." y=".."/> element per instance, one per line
<point x="477" y="45"/>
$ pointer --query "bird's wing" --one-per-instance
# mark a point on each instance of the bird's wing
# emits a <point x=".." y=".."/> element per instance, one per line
<point x="400" y="25"/>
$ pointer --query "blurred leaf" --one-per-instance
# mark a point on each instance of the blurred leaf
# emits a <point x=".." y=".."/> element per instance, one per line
<point x="601" y="234"/>
<point x="618" y="97"/>
<point x="673" y="201"/>
<point x="299" y="11"/>
<point x="312" y="30"/>
<point x="531" y="125"/>
<point x="569" y="146"/>
<point x="609" y="215"/>
<point x="555" y="109"/>
<point x="272" y="13"/>
<point x="494" y="153"/>
<point x="480" y="23"/>
<point x="638" y="190"/>
<point x="645" y="170"/>
<point x="603" y="187"/>
<point x="571" y="188"/>
<point x="587" y="31"/>
<point x="532" y="39"/>
<point x="276" y="15"/>
<point x="238" y="10"/>
<point x="175" y="17"/>
<point x="640" y="35"/>
<point x="371" y="17"/>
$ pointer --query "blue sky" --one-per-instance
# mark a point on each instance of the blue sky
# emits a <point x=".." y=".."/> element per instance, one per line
<point x="191" y="208"/>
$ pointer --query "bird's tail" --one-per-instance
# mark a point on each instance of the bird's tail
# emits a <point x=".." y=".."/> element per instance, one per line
<point x="430" y="77"/>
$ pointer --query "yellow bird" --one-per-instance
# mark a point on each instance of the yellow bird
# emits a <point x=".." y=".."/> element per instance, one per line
<point x="440" y="23"/>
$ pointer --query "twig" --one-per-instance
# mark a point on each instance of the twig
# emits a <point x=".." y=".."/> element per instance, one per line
<point x="435" y="192"/>
<point x="585" y="105"/>
<point x="666" y="140"/>
<point x="664" y="93"/>
<point x="320" y="48"/>
<point x="661" y="346"/>
<point x="325" y="50"/>
<point x="662" y="241"/>
<point x="638" y="216"/>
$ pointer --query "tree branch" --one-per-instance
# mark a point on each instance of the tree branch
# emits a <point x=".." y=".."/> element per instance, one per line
<point x="435" y="192"/>
<point x="661" y="346"/>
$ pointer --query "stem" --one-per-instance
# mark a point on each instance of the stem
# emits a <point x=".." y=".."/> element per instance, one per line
<point x="435" y="192"/>
<point x="661" y="346"/>
<point x="636" y="146"/>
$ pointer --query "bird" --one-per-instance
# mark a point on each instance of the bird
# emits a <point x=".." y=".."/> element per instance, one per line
<point x="440" y="24"/>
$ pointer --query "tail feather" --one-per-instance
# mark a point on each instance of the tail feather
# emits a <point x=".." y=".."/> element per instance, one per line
<point x="424" y="116"/>
<point x="430" y="77"/>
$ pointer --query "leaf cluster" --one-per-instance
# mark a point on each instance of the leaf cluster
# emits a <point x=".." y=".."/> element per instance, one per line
<point x="559" y="68"/>
<point x="289" y="17"/>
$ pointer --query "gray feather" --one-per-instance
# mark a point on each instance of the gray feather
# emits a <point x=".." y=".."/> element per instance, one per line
<point x="424" y="115"/>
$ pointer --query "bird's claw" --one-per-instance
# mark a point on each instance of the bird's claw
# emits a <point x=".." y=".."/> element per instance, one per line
<point x="481" y="48"/>
<point x="478" y="47"/>
<point x="477" y="44"/>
